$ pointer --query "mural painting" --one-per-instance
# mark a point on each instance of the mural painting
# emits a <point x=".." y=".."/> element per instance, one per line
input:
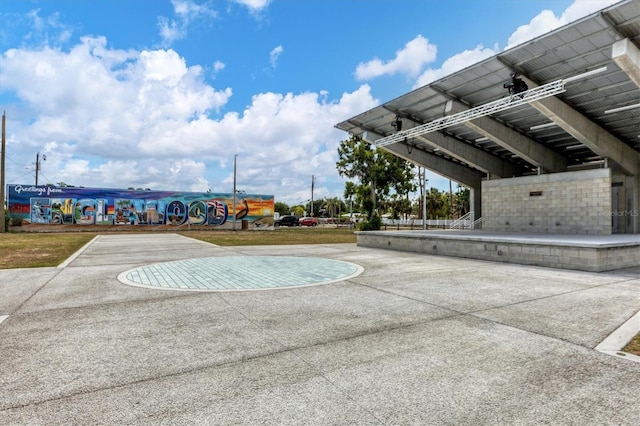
<point x="103" y="206"/>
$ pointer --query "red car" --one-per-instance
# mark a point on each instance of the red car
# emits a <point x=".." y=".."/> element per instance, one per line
<point x="308" y="221"/>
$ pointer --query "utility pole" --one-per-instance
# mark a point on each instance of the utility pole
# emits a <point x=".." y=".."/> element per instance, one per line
<point x="313" y="179"/>
<point x="424" y="198"/>
<point x="235" y="158"/>
<point x="44" y="157"/>
<point x="2" y="219"/>
<point x="450" y="200"/>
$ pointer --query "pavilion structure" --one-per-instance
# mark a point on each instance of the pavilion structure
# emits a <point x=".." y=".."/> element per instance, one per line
<point x="546" y="135"/>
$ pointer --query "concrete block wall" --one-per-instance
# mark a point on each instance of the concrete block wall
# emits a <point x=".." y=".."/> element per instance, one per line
<point x="563" y="203"/>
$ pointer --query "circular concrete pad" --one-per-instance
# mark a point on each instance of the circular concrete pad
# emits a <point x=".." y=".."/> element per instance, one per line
<point x="240" y="273"/>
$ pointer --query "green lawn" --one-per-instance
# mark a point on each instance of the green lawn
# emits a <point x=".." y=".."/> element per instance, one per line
<point x="39" y="249"/>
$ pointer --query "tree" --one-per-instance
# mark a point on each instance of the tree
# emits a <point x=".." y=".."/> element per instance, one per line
<point x="461" y="202"/>
<point x="281" y="208"/>
<point x="317" y="207"/>
<point x="333" y="207"/>
<point x="436" y="204"/>
<point x="376" y="174"/>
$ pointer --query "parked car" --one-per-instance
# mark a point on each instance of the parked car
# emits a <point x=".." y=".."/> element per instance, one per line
<point x="309" y="221"/>
<point x="287" y="220"/>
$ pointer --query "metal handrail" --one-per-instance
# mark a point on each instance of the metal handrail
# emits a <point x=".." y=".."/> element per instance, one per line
<point x="461" y="221"/>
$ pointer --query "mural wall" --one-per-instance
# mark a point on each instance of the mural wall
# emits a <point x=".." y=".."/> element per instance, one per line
<point x="102" y="206"/>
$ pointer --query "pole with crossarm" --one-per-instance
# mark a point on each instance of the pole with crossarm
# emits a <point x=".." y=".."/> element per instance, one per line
<point x="235" y="158"/>
<point x="2" y="219"/>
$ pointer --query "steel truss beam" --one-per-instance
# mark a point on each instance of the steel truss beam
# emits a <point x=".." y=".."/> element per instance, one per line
<point x="534" y="94"/>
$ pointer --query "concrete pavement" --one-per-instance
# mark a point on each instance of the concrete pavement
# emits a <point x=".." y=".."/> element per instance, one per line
<point x="411" y="339"/>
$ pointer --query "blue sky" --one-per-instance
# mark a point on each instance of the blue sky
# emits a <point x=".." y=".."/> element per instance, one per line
<point x="162" y="94"/>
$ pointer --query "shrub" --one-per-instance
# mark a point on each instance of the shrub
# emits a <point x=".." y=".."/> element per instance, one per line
<point x="12" y="219"/>
<point x="373" y="224"/>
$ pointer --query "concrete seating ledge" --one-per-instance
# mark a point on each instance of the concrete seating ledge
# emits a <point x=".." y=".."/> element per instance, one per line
<point x="593" y="253"/>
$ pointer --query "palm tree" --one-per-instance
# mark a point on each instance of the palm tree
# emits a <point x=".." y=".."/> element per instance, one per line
<point x="333" y="206"/>
<point x="435" y="203"/>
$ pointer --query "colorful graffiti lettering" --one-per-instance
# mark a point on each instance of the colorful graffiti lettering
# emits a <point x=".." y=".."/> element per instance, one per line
<point x="217" y="212"/>
<point x="87" y="206"/>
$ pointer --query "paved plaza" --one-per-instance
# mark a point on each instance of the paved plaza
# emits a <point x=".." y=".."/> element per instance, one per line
<point x="164" y="329"/>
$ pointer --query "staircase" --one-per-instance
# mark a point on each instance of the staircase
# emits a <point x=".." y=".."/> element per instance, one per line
<point x="468" y="221"/>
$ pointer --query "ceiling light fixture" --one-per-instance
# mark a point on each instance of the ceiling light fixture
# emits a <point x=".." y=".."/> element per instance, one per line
<point x="585" y="74"/>
<point x="576" y="146"/>
<point x="542" y="126"/>
<point x="624" y="108"/>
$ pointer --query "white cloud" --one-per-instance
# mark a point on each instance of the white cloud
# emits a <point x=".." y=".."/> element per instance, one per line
<point x="542" y="23"/>
<point x="170" y="30"/>
<point x="455" y="63"/>
<point x="44" y="30"/>
<point x="188" y="11"/>
<point x="409" y="60"/>
<point x="546" y="20"/>
<point x="254" y="6"/>
<point x="114" y="118"/>
<point x="218" y="66"/>
<point x="37" y="23"/>
<point x="185" y="13"/>
<point x="103" y="98"/>
<point x="274" y="55"/>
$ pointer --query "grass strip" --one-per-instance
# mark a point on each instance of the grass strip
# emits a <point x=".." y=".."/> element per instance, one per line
<point x="22" y="250"/>
<point x="633" y="347"/>
<point x="42" y="249"/>
<point x="280" y="236"/>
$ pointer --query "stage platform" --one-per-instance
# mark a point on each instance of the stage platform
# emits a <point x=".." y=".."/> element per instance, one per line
<point x="594" y="253"/>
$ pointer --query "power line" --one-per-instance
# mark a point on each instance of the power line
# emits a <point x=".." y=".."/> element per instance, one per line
<point x="44" y="176"/>
<point x="14" y="161"/>
<point x="28" y="173"/>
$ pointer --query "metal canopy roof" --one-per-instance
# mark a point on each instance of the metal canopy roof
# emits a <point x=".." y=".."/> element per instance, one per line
<point x="576" y="48"/>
